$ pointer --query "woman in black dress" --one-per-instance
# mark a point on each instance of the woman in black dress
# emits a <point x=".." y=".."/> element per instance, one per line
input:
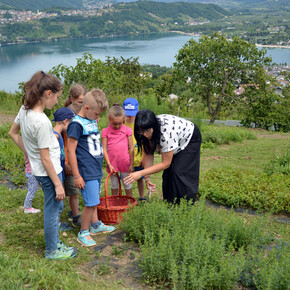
<point x="178" y="140"/>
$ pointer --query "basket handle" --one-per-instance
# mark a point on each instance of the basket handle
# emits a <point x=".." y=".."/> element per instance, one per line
<point x="106" y="187"/>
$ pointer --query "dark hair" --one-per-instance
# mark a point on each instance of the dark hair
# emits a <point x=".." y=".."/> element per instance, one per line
<point x="146" y="119"/>
<point x="74" y="92"/>
<point x="37" y="85"/>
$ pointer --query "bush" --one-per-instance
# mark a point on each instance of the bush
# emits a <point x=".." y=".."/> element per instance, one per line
<point x="193" y="247"/>
<point x="280" y="164"/>
<point x="236" y="188"/>
<point x="225" y="135"/>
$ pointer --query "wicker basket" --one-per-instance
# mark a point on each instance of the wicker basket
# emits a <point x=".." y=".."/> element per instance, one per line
<point x="111" y="207"/>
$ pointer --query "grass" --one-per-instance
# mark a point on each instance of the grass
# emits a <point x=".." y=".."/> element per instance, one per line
<point x="22" y="263"/>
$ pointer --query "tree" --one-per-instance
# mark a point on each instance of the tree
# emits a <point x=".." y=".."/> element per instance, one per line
<point x="214" y="66"/>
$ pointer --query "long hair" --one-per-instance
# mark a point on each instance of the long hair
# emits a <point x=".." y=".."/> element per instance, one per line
<point x="37" y="85"/>
<point x="144" y="120"/>
<point x="74" y="93"/>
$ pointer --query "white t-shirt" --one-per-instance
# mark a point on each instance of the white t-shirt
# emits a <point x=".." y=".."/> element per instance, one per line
<point x="175" y="132"/>
<point x="37" y="133"/>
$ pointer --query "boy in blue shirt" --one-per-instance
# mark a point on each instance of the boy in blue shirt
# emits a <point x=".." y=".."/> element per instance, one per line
<point x="85" y="155"/>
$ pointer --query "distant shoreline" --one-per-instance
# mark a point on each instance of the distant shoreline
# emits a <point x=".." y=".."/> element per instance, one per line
<point x="272" y="46"/>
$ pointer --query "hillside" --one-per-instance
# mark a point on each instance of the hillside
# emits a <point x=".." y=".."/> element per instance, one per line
<point x="39" y="4"/>
<point x="118" y="20"/>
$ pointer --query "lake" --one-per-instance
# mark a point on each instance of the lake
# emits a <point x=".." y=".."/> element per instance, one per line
<point x="19" y="62"/>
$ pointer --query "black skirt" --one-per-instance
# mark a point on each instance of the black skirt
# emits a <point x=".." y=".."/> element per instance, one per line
<point x="181" y="179"/>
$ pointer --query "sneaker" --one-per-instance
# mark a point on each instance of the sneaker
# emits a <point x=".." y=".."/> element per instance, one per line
<point x="61" y="254"/>
<point x="77" y="221"/>
<point x="31" y="210"/>
<point x="101" y="229"/>
<point x="70" y="216"/>
<point x="64" y="227"/>
<point x="85" y="239"/>
<point x="143" y="200"/>
<point x="61" y="245"/>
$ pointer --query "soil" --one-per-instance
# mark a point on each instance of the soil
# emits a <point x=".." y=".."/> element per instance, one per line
<point x="6" y="118"/>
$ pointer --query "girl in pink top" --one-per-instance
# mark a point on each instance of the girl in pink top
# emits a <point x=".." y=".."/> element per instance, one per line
<point x="118" y="148"/>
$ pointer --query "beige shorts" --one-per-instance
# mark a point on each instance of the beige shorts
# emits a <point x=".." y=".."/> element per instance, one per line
<point x="69" y="186"/>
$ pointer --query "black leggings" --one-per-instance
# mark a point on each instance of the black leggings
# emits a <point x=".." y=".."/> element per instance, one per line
<point x="181" y="179"/>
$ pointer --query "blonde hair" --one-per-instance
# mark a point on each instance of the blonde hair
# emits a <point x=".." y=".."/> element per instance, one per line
<point x="96" y="97"/>
<point x="116" y="111"/>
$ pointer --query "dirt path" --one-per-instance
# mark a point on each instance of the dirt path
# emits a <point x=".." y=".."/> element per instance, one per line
<point x="4" y="117"/>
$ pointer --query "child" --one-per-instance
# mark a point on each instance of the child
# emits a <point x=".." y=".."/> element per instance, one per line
<point x="131" y="108"/>
<point x="32" y="189"/>
<point x="116" y="139"/>
<point x="38" y="140"/>
<point x="85" y="155"/>
<point x="74" y="102"/>
<point x="62" y="118"/>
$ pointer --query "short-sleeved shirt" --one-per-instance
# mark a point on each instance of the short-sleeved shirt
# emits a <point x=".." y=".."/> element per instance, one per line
<point x="117" y="147"/>
<point x="137" y="156"/>
<point x="62" y="152"/>
<point x="89" y="150"/>
<point x="175" y="132"/>
<point x="37" y="133"/>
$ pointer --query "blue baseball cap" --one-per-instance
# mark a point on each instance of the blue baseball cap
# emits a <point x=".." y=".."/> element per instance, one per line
<point x="62" y="114"/>
<point x="131" y="107"/>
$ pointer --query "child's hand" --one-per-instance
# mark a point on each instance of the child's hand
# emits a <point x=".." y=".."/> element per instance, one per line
<point x="79" y="182"/>
<point x="59" y="192"/>
<point x="150" y="185"/>
<point x="111" y="168"/>
<point x="67" y="169"/>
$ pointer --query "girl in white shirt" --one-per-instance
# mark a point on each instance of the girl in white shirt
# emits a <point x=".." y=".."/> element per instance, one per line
<point x="38" y="141"/>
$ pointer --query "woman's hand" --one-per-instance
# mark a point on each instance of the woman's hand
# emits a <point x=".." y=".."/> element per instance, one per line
<point x="111" y="168"/>
<point x="79" y="182"/>
<point x="132" y="177"/>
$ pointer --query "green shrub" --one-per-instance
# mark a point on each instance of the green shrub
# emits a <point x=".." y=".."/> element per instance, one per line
<point x="279" y="164"/>
<point x="225" y="135"/>
<point x="192" y="247"/>
<point x="256" y="190"/>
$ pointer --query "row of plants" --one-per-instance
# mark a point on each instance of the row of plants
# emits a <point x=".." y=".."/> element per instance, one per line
<point x="250" y="189"/>
<point x="194" y="247"/>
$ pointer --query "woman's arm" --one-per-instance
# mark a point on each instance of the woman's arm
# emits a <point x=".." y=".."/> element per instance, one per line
<point x="164" y="164"/>
<point x="131" y="153"/>
<point x="72" y="159"/>
<point x="105" y="153"/>
<point x="49" y="168"/>
<point x="15" y="136"/>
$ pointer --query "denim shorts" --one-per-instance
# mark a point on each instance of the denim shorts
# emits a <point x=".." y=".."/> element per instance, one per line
<point x="139" y="168"/>
<point x="91" y="193"/>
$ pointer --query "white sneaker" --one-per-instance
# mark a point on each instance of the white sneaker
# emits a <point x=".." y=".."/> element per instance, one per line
<point x="31" y="210"/>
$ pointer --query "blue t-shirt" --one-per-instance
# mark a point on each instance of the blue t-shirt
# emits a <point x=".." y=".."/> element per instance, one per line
<point x="62" y="152"/>
<point x="89" y="150"/>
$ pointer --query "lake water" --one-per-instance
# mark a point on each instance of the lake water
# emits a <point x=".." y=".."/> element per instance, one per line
<point x="19" y="62"/>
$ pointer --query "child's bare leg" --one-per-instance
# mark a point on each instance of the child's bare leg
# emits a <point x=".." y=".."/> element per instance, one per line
<point x="87" y="216"/>
<point x="115" y="191"/>
<point x="140" y="184"/>
<point x="95" y="218"/>
<point x="128" y="192"/>
<point x="73" y="203"/>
